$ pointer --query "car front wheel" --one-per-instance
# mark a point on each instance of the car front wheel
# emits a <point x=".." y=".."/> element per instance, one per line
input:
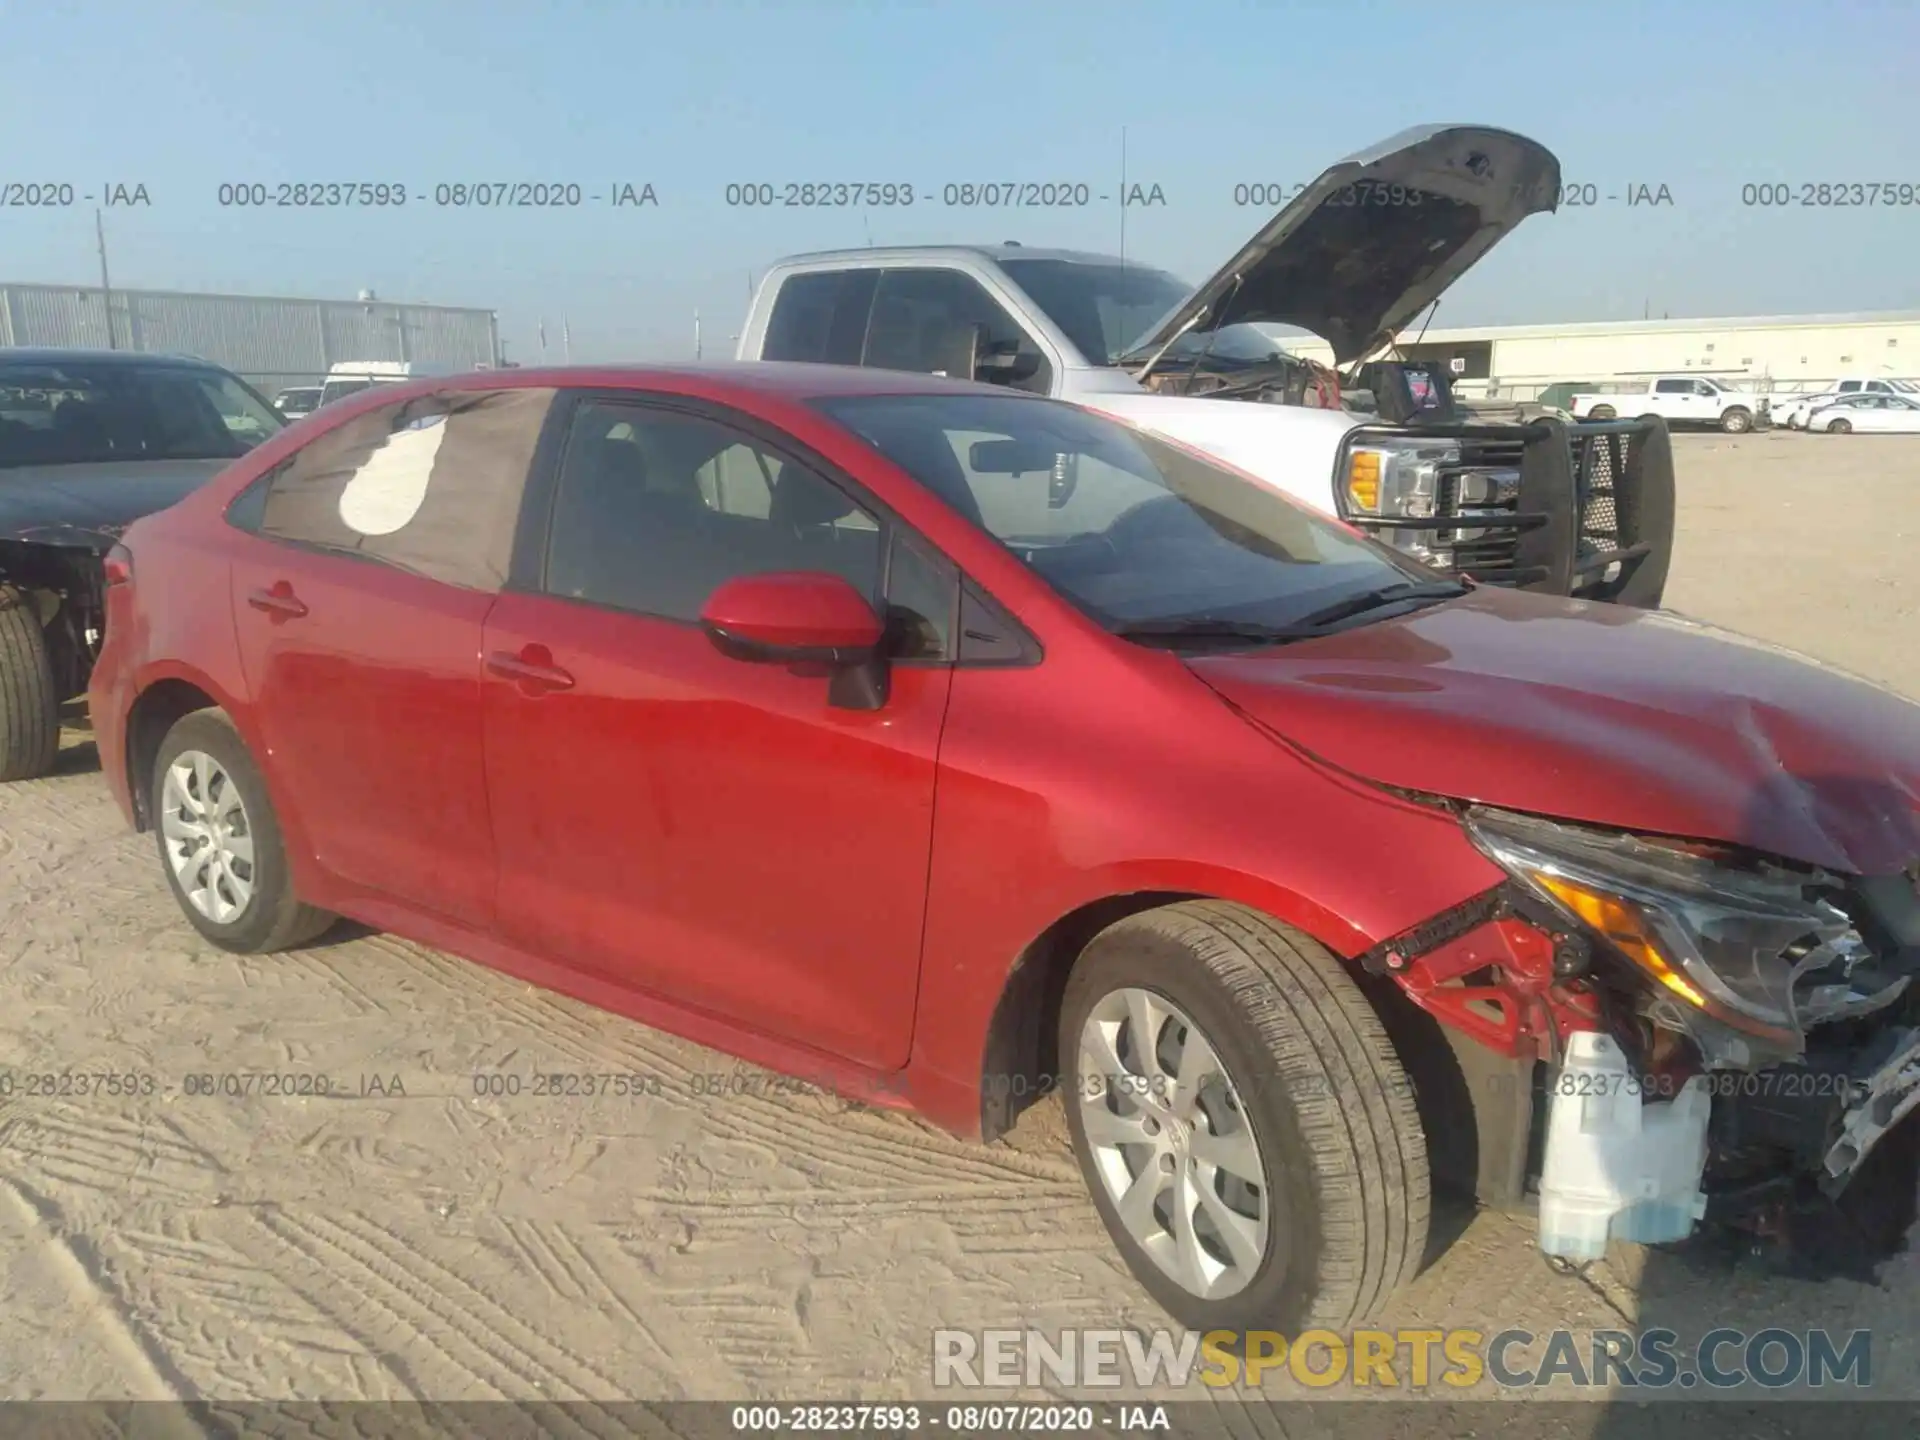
<point x="1736" y="422"/>
<point x="220" y="842"/>
<point x="1249" y="1136"/>
<point x="1839" y="427"/>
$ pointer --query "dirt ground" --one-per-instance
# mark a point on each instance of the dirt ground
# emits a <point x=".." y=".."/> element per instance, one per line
<point x="438" y="1244"/>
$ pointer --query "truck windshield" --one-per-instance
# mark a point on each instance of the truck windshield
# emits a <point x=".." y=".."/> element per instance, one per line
<point x="1147" y="538"/>
<point x="1106" y="310"/>
<point x="76" y="413"/>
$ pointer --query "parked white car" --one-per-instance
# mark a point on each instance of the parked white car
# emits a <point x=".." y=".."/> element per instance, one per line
<point x="1792" y="410"/>
<point x="1680" y="400"/>
<point x="1872" y="414"/>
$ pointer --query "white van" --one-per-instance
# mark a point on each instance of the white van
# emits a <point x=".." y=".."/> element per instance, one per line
<point x="350" y="377"/>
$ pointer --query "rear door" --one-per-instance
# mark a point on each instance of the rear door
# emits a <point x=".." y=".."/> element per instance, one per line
<point x="377" y="549"/>
<point x="683" y="823"/>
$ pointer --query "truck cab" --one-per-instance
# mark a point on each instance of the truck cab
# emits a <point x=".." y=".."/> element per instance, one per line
<point x="1381" y="444"/>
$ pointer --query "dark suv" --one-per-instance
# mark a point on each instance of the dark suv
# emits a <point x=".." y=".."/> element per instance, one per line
<point x="90" y="441"/>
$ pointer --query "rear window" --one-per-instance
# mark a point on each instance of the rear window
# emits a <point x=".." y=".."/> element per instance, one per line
<point x="81" y="414"/>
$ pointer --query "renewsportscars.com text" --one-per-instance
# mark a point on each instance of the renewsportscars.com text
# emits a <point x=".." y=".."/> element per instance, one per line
<point x="1376" y="1360"/>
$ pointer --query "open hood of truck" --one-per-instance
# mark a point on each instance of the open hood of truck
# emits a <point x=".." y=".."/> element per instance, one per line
<point x="1606" y="715"/>
<point x="1364" y="248"/>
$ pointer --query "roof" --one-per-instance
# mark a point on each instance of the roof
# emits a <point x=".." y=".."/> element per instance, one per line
<point x="1441" y="336"/>
<point x="80" y="355"/>
<point x="1010" y="250"/>
<point x="785" y="380"/>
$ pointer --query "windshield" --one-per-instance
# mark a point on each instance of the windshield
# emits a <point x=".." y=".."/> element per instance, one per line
<point x="1127" y="527"/>
<point x="77" y="413"/>
<point x="1105" y="310"/>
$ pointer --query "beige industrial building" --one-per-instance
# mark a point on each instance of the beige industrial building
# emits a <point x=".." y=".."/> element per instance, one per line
<point x="1762" y="352"/>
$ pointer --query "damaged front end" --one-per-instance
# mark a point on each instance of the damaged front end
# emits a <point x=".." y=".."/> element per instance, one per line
<point x="1700" y="1033"/>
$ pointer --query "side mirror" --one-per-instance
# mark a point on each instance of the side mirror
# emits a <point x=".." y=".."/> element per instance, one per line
<point x="803" y="617"/>
<point x="1001" y="362"/>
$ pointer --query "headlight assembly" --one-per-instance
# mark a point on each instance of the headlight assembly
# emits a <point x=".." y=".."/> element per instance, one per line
<point x="1394" y="475"/>
<point x="1755" y="948"/>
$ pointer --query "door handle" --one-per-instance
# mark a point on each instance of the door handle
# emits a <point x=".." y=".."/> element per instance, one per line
<point x="278" y="601"/>
<point x="533" y="668"/>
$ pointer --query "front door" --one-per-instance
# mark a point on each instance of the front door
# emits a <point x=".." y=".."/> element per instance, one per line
<point x="707" y="829"/>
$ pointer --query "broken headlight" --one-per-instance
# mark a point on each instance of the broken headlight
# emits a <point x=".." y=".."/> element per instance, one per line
<point x="1757" y="948"/>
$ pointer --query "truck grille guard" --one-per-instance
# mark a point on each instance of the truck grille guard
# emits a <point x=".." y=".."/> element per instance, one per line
<point x="1584" y="509"/>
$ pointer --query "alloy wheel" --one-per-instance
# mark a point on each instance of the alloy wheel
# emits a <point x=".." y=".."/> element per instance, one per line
<point x="1172" y="1144"/>
<point x="208" y="838"/>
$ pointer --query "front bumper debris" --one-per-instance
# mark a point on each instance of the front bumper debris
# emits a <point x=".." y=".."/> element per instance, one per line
<point x="1878" y="1104"/>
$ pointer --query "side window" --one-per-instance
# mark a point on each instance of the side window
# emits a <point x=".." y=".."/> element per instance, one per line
<point x="923" y="594"/>
<point x="820" y="317"/>
<point x="925" y="321"/>
<point x="1701" y="387"/>
<point x="1847" y="387"/>
<point x="655" y="510"/>
<point x="1673" y="387"/>
<point x="431" y="485"/>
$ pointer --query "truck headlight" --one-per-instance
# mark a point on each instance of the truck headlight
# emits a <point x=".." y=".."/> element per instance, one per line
<point x="1394" y="475"/>
<point x="1754" y="948"/>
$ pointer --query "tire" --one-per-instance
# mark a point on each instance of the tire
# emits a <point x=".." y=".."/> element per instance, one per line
<point x="1602" y="412"/>
<point x="29" y="701"/>
<point x="1648" y="416"/>
<point x="265" y="914"/>
<point x="1339" y="1218"/>
<point x="1839" y="427"/>
<point x="1737" y="421"/>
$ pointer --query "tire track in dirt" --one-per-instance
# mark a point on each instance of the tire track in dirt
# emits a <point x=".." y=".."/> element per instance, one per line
<point x="239" y="1327"/>
<point x="466" y="1343"/>
<point x="108" y="1155"/>
<point x="582" y="1270"/>
<point x="149" y="1370"/>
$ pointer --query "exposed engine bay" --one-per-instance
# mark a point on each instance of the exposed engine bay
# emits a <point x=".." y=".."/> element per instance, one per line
<point x="1695" y="1034"/>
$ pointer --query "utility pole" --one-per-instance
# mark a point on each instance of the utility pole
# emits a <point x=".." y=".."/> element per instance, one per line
<point x="1123" y="197"/>
<point x="106" y="288"/>
<point x="566" y="339"/>
<point x="696" y="334"/>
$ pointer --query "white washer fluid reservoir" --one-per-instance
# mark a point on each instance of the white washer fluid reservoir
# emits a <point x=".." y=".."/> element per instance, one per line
<point x="1617" y="1167"/>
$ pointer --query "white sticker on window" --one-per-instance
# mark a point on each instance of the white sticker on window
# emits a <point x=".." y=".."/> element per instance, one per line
<point x="387" y="491"/>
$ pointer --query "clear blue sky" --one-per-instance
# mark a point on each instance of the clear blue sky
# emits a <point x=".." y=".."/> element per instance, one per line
<point x="182" y="95"/>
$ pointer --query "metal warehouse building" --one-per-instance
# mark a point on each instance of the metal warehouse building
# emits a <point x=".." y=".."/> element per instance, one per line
<point x="268" y="340"/>
<point x="1762" y="352"/>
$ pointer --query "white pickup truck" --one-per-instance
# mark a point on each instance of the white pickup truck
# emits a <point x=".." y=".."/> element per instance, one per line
<point x="1584" y="509"/>
<point x="1679" y="400"/>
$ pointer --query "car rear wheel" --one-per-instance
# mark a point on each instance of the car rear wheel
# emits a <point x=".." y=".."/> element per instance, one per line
<point x="1246" y="1130"/>
<point x="1737" y="421"/>
<point x="29" y="700"/>
<point x="220" y="842"/>
<point x="1839" y="427"/>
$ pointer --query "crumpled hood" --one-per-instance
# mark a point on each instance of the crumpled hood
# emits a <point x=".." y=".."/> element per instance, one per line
<point x="1603" y="714"/>
<point x="71" y="504"/>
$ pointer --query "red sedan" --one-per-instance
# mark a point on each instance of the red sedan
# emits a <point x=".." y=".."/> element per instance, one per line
<point x="952" y="746"/>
